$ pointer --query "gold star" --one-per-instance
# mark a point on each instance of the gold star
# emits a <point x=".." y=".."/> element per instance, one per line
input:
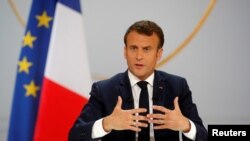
<point x="43" y="20"/>
<point x="31" y="89"/>
<point x="28" y="40"/>
<point x="24" y="65"/>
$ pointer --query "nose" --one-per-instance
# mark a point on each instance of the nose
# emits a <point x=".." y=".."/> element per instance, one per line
<point x="139" y="55"/>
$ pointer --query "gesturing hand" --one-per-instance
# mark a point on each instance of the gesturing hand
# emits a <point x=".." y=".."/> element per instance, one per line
<point x="121" y="119"/>
<point x="170" y="119"/>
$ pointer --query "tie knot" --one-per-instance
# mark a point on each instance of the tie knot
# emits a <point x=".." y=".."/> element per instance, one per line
<point x="142" y="84"/>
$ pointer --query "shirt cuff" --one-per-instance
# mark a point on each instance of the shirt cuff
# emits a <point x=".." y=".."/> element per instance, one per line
<point x="97" y="130"/>
<point x="192" y="133"/>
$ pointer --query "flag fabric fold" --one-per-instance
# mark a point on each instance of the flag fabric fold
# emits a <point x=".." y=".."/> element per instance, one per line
<point x="53" y="77"/>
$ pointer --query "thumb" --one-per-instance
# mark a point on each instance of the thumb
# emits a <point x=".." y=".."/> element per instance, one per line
<point x="176" y="104"/>
<point x="119" y="102"/>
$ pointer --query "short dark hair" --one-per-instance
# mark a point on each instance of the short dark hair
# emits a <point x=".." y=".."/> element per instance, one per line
<point x="148" y="28"/>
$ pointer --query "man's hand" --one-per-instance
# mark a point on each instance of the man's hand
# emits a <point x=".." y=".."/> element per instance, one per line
<point x="125" y="119"/>
<point x="170" y="119"/>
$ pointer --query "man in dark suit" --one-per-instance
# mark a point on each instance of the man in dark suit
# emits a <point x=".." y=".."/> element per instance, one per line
<point x="122" y="109"/>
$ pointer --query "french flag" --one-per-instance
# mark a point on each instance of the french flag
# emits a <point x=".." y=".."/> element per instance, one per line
<point x="53" y="77"/>
<point x="67" y="79"/>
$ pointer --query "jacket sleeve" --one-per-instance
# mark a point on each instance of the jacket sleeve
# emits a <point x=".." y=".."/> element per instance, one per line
<point x="92" y="111"/>
<point x="189" y="109"/>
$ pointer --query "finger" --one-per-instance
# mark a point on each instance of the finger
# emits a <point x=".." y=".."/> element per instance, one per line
<point x="119" y="102"/>
<point x="140" y="118"/>
<point x="138" y="110"/>
<point x="157" y="121"/>
<point x="133" y="123"/>
<point x="134" y="128"/>
<point x="162" y="126"/>
<point x="141" y="124"/>
<point x="161" y="109"/>
<point x="176" y="104"/>
<point x="156" y="116"/>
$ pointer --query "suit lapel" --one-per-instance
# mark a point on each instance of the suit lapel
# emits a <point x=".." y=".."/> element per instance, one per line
<point x="159" y="90"/>
<point x="162" y="92"/>
<point x="160" y="96"/>
<point x="126" y="92"/>
<point x="127" y="101"/>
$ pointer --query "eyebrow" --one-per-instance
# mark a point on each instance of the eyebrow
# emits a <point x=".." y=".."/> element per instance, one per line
<point x="142" y="47"/>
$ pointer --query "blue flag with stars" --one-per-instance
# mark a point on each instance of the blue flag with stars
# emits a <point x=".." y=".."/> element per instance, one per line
<point x="30" y="70"/>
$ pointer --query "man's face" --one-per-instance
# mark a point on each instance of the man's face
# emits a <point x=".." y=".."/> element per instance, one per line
<point x="142" y="54"/>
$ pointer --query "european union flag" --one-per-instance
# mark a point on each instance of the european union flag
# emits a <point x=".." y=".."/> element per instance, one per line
<point x="30" y="70"/>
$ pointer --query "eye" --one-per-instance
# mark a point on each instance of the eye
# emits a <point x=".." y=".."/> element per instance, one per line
<point x="133" y="48"/>
<point x="146" y="49"/>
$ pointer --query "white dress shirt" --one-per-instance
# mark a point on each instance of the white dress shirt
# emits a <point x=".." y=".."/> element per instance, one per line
<point x="98" y="131"/>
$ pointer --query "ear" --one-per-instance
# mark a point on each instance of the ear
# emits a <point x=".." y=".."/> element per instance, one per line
<point x="159" y="53"/>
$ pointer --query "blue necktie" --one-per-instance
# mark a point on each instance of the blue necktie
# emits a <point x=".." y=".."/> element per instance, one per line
<point x="143" y="103"/>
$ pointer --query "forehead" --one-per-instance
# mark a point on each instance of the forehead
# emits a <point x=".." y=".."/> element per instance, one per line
<point x="140" y="39"/>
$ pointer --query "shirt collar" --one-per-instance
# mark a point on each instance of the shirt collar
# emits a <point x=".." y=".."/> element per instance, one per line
<point x="133" y="79"/>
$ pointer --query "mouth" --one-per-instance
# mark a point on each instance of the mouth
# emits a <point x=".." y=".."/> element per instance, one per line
<point x="139" y="66"/>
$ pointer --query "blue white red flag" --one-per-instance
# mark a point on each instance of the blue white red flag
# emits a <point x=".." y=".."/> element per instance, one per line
<point x="53" y="78"/>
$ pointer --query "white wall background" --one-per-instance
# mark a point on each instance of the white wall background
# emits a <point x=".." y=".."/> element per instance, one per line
<point x="215" y="63"/>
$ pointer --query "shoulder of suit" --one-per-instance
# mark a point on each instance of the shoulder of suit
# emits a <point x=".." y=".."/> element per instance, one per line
<point x="118" y="77"/>
<point x="165" y="75"/>
<point x="114" y="79"/>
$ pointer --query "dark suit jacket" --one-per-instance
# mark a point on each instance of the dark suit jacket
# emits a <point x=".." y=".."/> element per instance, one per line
<point x="104" y="95"/>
